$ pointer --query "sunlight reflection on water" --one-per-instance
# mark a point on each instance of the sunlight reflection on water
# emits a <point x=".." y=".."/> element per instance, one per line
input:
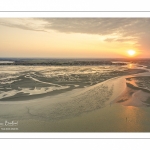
<point x="134" y="119"/>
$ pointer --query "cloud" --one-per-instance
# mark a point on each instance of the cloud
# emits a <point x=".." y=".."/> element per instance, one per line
<point x="101" y="26"/>
<point x="25" y="24"/>
<point x="133" y="30"/>
<point x="121" y="39"/>
<point x="84" y="25"/>
<point x="126" y="29"/>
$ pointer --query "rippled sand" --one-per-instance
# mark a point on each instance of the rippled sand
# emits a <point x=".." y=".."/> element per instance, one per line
<point x="110" y="106"/>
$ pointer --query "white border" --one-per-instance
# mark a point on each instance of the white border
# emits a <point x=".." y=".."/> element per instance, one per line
<point x="75" y="14"/>
<point x="74" y="5"/>
<point x="75" y="135"/>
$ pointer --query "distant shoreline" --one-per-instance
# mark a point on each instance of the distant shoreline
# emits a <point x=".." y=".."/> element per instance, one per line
<point x="59" y="63"/>
<point x="72" y="61"/>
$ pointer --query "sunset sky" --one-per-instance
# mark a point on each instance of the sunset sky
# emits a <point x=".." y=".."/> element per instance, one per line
<point x="74" y="37"/>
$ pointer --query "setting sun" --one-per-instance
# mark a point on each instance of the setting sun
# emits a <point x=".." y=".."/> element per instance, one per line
<point x="131" y="52"/>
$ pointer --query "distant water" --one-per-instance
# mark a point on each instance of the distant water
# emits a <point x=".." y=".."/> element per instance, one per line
<point x="6" y="62"/>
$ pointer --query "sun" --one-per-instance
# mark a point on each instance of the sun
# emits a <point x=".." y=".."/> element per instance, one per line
<point x="131" y="52"/>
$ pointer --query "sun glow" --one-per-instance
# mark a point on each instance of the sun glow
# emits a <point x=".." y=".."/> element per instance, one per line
<point x="131" y="52"/>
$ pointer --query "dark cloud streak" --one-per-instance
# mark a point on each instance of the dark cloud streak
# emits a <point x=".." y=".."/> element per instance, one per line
<point x="101" y="26"/>
<point x="24" y="27"/>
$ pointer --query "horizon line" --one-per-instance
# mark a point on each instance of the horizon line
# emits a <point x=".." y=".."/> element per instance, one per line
<point x="74" y="58"/>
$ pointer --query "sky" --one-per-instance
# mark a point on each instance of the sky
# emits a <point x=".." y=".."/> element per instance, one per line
<point x="74" y="37"/>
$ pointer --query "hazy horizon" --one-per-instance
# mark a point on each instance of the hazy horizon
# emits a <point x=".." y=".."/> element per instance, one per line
<point x="75" y="57"/>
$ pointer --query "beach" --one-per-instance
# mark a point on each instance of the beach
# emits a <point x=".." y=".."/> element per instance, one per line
<point x="117" y="104"/>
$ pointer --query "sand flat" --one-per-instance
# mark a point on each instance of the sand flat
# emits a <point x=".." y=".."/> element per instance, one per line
<point x="93" y="108"/>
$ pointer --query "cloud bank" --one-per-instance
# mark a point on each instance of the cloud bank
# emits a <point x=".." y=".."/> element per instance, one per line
<point x="134" y="30"/>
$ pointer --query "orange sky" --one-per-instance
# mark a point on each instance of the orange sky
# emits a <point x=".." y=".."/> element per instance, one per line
<point x="55" y="38"/>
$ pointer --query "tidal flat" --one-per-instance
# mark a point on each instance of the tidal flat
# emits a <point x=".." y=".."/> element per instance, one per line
<point x="90" y="98"/>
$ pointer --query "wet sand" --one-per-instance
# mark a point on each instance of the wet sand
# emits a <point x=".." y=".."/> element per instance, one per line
<point x="116" y="118"/>
<point x="68" y="116"/>
<point x="31" y="85"/>
<point x="110" y="106"/>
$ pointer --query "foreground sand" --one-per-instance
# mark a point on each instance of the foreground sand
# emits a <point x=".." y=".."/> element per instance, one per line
<point x="65" y="105"/>
<point x="92" y="109"/>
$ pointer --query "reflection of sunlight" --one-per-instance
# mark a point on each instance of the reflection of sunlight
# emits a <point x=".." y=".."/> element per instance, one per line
<point x="133" y="116"/>
<point x="130" y="107"/>
<point x="130" y="66"/>
<point x="132" y="81"/>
